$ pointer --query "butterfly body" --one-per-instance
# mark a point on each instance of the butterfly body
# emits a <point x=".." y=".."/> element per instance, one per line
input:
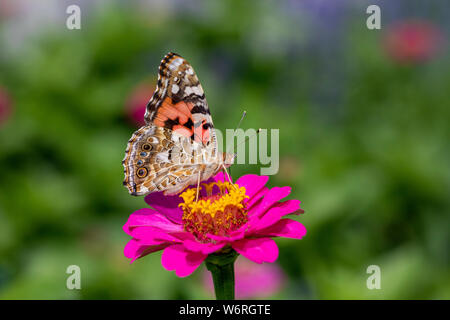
<point x="177" y="147"/>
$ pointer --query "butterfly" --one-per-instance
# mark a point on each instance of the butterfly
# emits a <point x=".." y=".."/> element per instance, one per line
<point x="177" y="147"/>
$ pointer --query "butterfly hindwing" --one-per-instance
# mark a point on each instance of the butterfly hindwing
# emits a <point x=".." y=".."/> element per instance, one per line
<point x="157" y="159"/>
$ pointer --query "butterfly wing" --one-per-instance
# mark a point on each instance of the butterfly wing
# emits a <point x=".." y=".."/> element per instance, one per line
<point x="157" y="159"/>
<point x="168" y="154"/>
<point x="179" y="102"/>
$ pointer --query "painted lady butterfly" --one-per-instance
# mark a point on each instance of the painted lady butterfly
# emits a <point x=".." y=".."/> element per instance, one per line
<point x="177" y="147"/>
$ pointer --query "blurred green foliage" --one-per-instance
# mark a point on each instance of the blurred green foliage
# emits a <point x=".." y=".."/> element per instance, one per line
<point x="368" y="161"/>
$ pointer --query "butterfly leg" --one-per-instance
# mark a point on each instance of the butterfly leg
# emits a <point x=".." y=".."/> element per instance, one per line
<point x="198" y="186"/>
<point x="228" y="176"/>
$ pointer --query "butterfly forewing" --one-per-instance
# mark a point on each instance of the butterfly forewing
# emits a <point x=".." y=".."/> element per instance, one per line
<point x="179" y="102"/>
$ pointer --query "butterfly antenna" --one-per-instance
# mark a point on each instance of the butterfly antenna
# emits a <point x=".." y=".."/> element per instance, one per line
<point x="238" y="126"/>
<point x="240" y="121"/>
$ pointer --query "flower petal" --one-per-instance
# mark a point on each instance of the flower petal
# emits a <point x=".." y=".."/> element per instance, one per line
<point x="258" y="250"/>
<point x="256" y="199"/>
<point x="205" y="248"/>
<point x="274" y="214"/>
<point x="270" y="198"/>
<point x="134" y="249"/>
<point x="131" y="248"/>
<point x="180" y="260"/>
<point x="287" y="228"/>
<point x="290" y="207"/>
<point x="151" y="218"/>
<point x="219" y="177"/>
<point x="151" y="235"/>
<point x="232" y="236"/>
<point x="167" y="205"/>
<point x="252" y="183"/>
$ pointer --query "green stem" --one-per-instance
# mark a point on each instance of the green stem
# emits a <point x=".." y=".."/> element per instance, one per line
<point x="221" y="266"/>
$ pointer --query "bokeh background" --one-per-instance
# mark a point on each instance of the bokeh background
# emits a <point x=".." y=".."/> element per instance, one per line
<point x="364" y="131"/>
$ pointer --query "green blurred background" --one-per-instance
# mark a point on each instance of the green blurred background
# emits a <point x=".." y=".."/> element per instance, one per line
<point x="364" y="130"/>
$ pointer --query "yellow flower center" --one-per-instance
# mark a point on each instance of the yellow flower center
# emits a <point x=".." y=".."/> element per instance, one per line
<point x="216" y="214"/>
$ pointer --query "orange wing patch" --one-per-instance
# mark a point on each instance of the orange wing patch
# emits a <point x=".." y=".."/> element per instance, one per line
<point x="176" y="117"/>
<point x="202" y="133"/>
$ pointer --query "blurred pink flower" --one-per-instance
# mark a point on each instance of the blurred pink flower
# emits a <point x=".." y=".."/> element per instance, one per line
<point x="244" y="216"/>
<point x="9" y="8"/>
<point x="137" y="102"/>
<point x="412" y="41"/>
<point x="5" y="105"/>
<point x="252" y="280"/>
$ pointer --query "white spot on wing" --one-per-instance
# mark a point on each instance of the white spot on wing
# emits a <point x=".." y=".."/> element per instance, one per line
<point x="164" y="87"/>
<point x="197" y="90"/>
<point x="175" y="64"/>
<point x="163" y="157"/>
<point x="188" y="90"/>
<point x="193" y="90"/>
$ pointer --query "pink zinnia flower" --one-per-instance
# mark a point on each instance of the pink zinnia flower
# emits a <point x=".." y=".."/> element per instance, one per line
<point x="412" y="41"/>
<point x="253" y="280"/>
<point x="243" y="216"/>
